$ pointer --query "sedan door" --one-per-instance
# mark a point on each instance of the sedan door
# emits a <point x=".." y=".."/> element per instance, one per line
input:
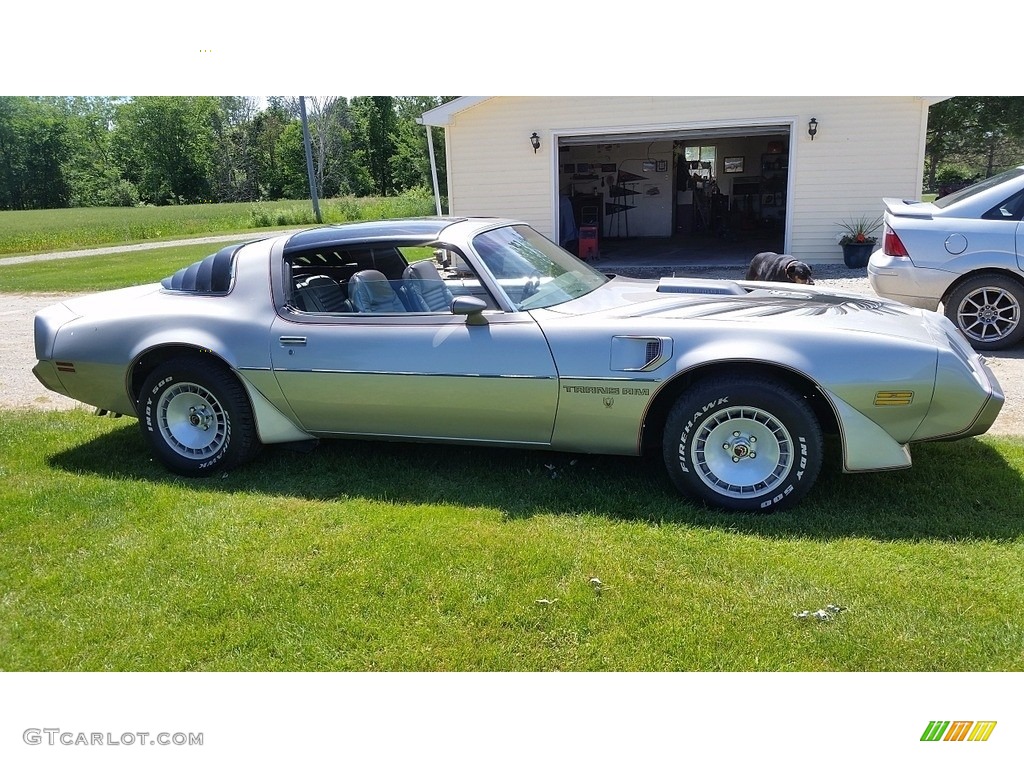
<point x="486" y="378"/>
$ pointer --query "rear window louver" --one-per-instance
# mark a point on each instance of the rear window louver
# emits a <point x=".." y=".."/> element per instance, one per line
<point x="212" y="275"/>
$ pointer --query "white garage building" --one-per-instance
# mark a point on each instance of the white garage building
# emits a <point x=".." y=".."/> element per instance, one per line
<point x="742" y="173"/>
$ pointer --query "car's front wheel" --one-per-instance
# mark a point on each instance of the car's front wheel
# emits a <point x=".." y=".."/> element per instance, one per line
<point x="196" y="417"/>
<point x="987" y="310"/>
<point x="743" y="443"/>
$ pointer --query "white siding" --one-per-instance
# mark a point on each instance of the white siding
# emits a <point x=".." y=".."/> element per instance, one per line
<point x="866" y="148"/>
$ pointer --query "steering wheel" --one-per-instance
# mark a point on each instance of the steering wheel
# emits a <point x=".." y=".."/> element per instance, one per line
<point x="531" y="287"/>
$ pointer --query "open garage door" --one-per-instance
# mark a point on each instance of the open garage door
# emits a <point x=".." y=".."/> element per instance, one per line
<point x="703" y="195"/>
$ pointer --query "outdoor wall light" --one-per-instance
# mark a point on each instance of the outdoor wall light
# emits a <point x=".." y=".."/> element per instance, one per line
<point x="812" y="127"/>
<point x="535" y="142"/>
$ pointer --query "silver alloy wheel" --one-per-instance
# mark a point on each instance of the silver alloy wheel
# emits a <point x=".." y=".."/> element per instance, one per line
<point x="742" y="452"/>
<point x="192" y="421"/>
<point x="988" y="314"/>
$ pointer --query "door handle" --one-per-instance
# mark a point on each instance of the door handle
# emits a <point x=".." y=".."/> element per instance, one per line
<point x="293" y="341"/>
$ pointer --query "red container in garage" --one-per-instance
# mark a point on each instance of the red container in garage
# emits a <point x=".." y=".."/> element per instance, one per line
<point x="588" y="242"/>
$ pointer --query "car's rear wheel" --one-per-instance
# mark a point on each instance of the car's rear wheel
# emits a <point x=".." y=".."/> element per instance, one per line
<point x="987" y="310"/>
<point x="197" y="418"/>
<point x="743" y="443"/>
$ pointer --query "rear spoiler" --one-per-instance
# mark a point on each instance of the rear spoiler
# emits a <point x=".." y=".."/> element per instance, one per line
<point x="909" y="208"/>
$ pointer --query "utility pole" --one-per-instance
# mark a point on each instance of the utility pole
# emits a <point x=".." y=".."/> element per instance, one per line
<point x="309" y="160"/>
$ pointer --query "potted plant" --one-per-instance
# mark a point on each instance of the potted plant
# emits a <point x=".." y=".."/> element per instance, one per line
<point x="858" y="239"/>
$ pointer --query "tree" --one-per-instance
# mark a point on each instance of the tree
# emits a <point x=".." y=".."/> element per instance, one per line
<point x="267" y="168"/>
<point x="234" y="178"/>
<point x="982" y="134"/>
<point x="34" y="149"/>
<point x="411" y="160"/>
<point x="77" y="151"/>
<point x="374" y="123"/>
<point x="91" y="171"/>
<point x="165" y="146"/>
<point x="292" y="169"/>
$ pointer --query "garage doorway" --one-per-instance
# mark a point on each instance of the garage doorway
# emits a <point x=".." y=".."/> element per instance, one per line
<point x="693" y="196"/>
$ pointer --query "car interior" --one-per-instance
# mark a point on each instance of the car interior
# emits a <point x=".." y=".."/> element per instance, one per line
<point x="377" y="279"/>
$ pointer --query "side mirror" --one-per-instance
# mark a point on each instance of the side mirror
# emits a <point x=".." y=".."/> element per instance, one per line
<point x="470" y="306"/>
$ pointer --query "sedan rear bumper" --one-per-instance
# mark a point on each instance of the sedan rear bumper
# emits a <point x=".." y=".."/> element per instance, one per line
<point x="896" y="278"/>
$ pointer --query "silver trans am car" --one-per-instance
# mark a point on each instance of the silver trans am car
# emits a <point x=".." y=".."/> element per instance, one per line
<point x="965" y="251"/>
<point x="503" y="338"/>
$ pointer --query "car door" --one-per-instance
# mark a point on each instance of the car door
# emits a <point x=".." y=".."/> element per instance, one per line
<point x="489" y="377"/>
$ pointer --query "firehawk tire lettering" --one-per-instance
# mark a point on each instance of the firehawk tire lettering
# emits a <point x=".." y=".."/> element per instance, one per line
<point x="743" y="443"/>
<point x="197" y="418"/>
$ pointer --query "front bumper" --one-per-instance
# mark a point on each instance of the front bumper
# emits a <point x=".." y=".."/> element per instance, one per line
<point x="989" y="410"/>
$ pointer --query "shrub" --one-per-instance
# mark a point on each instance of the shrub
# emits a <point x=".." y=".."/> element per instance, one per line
<point x="953" y="173"/>
<point x="121" y="194"/>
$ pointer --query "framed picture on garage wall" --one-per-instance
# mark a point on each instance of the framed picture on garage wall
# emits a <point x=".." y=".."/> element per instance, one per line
<point x="733" y="164"/>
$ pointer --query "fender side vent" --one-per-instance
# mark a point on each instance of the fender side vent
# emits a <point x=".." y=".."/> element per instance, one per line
<point x="653" y="351"/>
<point x="639" y="353"/>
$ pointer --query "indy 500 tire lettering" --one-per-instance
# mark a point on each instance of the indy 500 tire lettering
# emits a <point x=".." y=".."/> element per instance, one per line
<point x="196" y="417"/>
<point x="743" y="443"/>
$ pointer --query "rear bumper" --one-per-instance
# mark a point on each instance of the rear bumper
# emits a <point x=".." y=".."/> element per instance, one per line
<point x="46" y="372"/>
<point x="898" y="279"/>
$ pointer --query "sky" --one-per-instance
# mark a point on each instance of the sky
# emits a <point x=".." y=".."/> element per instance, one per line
<point x="404" y="48"/>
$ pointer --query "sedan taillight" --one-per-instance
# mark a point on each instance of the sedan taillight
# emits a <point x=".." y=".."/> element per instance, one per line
<point x="892" y="245"/>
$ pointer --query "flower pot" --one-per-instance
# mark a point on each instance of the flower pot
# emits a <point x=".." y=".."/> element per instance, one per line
<point x="856" y="255"/>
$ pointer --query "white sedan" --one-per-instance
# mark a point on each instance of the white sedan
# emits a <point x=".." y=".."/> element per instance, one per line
<point x="964" y="251"/>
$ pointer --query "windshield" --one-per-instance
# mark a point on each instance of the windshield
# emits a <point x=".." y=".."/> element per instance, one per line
<point x="981" y="186"/>
<point x="532" y="270"/>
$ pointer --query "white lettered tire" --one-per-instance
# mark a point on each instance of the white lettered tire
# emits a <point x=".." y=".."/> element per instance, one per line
<point x="196" y="417"/>
<point x="743" y="443"/>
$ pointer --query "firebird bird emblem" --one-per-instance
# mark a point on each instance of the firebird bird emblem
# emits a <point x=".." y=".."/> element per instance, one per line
<point x="609" y="402"/>
<point x="778" y="303"/>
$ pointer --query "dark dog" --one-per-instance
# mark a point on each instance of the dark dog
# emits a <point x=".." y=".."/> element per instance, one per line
<point x="779" y="268"/>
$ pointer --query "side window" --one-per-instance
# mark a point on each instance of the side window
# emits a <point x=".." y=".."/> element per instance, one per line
<point x="381" y="279"/>
<point x="1011" y="209"/>
<point x="459" y="277"/>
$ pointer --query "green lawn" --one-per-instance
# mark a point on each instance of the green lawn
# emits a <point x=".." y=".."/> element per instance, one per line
<point x="25" y="232"/>
<point x="364" y="556"/>
<point x="100" y="273"/>
<point x="117" y="270"/>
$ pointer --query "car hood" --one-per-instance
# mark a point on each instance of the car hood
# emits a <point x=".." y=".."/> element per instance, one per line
<point x="781" y="305"/>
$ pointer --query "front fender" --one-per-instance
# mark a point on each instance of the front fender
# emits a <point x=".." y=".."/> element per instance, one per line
<point x="866" y="446"/>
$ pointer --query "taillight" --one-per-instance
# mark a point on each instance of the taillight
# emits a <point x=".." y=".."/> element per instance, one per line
<point x="892" y="245"/>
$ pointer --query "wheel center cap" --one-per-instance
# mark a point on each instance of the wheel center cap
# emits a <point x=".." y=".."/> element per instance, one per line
<point x="741" y="446"/>
<point x="198" y="417"/>
<point x="987" y="314"/>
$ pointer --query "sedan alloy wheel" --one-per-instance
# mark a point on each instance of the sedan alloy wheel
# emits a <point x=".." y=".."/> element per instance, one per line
<point x="987" y="310"/>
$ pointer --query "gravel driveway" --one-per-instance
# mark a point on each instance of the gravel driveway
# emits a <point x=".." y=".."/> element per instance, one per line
<point x="19" y="388"/>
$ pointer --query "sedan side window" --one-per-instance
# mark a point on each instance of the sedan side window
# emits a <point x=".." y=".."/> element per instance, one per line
<point x="1011" y="209"/>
